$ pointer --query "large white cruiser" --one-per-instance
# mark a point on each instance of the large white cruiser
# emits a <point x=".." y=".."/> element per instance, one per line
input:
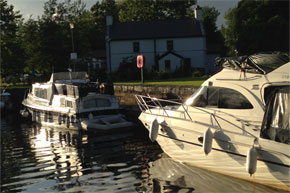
<point x="236" y="123"/>
<point x="71" y="101"/>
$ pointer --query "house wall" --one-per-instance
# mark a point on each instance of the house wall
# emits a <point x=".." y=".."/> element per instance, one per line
<point x="175" y="62"/>
<point x="193" y="48"/>
<point x="121" y="49"/>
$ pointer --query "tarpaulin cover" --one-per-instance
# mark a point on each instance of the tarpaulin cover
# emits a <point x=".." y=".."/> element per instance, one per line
<point x="258" y="63"/>
<point x="276" y="120"/>
<point x="68" y="75"/>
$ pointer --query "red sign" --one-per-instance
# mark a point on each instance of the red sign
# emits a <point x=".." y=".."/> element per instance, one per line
<point x="140" y="61"/>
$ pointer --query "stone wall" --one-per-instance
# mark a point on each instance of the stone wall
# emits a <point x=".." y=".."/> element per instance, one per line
<point x="125" y="93"/>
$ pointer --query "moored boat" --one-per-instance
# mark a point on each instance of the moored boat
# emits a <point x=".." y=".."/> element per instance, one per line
<point x="236" y="123"/>
<point x="70" y="100"/>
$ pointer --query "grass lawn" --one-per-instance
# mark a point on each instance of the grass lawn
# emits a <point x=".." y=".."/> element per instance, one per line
<point x="170" y="82"/>
<point x="17" y="85"/>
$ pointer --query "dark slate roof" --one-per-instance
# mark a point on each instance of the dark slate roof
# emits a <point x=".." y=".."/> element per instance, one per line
<point x="155" y="29"/>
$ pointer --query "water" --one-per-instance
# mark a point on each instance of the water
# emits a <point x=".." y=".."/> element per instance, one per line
<point x="39" y="159"/>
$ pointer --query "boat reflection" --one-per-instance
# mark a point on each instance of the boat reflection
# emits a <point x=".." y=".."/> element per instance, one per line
<point x="57" y="150"/>
<point x="167" y="175"/>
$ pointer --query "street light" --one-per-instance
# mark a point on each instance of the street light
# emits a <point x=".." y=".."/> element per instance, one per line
<point x="73" y="55"/>
<point x="71" y="25"/>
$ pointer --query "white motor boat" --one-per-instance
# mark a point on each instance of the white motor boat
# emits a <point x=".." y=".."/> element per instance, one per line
<point x="236" y="123"/>
<point x="71" y="101"/>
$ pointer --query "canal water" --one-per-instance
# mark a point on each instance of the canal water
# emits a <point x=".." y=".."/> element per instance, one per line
<point x="41" y="159"/>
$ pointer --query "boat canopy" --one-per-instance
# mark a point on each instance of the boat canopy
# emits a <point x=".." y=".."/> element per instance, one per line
<point x="276" y="119"/>
<point x="261" y="63"/>
<point x="69" y="76"/>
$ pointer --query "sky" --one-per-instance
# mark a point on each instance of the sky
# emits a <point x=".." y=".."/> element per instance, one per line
<point x="34" y="8"/>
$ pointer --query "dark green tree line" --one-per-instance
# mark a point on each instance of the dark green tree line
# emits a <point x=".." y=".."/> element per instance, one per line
<point x="11" y="52"/>
<point x="256" y="26"/>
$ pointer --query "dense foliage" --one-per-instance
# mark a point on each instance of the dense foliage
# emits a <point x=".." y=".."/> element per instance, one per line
<point x="44" y="44"/>
<point x="257" y="26"/>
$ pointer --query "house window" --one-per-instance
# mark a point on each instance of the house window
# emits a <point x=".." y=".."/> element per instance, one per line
<point x="167" y="65"/>
<point x="136" y="47"/>
<point x="169" y="45"/>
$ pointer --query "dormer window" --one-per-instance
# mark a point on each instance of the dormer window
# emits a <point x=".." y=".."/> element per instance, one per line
<point x="169" y="45"/>
<point x="136" y="47"/>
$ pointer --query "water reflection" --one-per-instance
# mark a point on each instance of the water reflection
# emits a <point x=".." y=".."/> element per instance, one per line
<point x="42" y="159"/>
<point x="167" y="175"/>
<point x="58" y="150"/>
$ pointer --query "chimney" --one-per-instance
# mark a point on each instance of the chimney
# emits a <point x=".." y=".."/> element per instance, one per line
<point x="109" y="20"/>
<point x="198" y="13"/>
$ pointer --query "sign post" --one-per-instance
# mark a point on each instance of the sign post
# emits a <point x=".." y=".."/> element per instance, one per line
<point x="141" y="64"/>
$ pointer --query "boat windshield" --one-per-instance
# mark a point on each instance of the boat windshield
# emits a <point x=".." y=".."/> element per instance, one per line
<point x="198" y="99"/>
<point x="218" y="97"/>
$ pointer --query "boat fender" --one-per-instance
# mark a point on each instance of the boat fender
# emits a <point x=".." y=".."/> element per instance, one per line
<point x="252" y="157"/>
<point x="207" y="141"/>
<point x="24" y="113"/>
<point x="33" y="116"/>
<point x="91" y="116"/>
<point x="153" y="132"/>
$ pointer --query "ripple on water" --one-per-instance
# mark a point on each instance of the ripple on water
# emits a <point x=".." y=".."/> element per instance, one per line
<point x="40" y="159"/>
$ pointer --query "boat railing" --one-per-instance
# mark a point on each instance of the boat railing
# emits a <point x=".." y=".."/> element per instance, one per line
<point x="148" y="104"/>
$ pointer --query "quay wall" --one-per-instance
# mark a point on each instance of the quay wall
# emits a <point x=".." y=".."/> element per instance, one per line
<point x="125" y="93"/>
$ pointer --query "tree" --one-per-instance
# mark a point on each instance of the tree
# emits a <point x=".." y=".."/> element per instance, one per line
<point x="256" y="26"/>
<point x="214" y="38"/>
<point x="48" y="42"/>
<point x="136" y="10"/>
<point x="11" y="52"/>
<point x="99" y="11"/>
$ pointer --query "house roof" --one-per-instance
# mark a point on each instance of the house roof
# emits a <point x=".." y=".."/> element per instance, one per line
<point x="155" y="29"/>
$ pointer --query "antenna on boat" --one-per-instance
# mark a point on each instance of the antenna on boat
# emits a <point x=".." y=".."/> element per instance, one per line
<point x="70" y="70"/>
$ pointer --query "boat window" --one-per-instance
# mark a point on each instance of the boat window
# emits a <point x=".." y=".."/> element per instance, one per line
<point x="232" y="99"/>
<point x="219" y="97"/>
<point x="69" y="104"/>
<point x="93" y="103"/>
<point x="41" y="93"/>
<point x="276" y="119"/>
<point x="64" y="90"/>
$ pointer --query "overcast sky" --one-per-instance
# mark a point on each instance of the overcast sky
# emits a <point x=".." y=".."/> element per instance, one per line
<point x="34" y="8"/>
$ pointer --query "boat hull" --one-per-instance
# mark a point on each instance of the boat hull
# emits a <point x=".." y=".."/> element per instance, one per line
<point x="102" y="123"/>
<point x="55" y="119"/>
<point x="180" y="142"/>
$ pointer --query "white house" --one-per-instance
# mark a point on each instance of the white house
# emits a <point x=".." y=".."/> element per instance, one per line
<point x="168" y="44"/>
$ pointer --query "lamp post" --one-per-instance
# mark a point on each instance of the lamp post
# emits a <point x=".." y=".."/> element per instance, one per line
<point x="73" y="55"/>
<point x="71" y="25"/>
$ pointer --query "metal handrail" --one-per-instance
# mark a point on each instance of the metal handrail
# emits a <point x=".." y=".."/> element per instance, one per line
<point x="157" y="104"/>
